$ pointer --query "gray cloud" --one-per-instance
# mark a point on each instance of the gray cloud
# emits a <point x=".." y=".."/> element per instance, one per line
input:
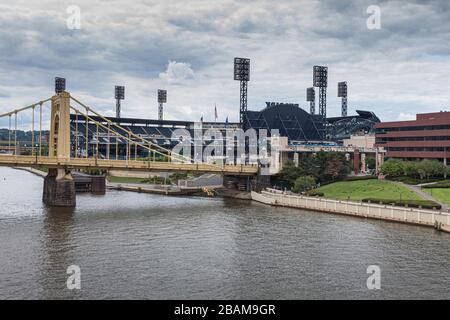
<point x="401" y="68"/>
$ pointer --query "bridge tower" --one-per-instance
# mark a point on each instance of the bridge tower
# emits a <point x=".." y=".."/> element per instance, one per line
<point x="59" y="186"/>
<point x="59" y="144"/>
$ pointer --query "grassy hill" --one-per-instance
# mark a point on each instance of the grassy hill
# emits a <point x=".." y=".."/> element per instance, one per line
<point x="358" y="190"/>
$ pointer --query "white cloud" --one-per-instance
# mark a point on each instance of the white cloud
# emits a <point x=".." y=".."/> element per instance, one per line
<point x="406" y="116"/>
<point x="401" y="67"/>
<point x="177" y="72"/>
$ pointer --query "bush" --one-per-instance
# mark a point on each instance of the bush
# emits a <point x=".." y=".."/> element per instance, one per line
<point x="371" y="163"/>
<point x="314" y="193"/>
<point x="303" y="184"/>
<point x="410" y="180"/>
<point x="357" y="178"/>
<point x="178" y="176"/>
<point x="425" y="204"/>
<point x="442" y="184"/>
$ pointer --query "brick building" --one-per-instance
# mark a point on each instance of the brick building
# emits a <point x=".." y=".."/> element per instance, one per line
<point x="427" y="137"/>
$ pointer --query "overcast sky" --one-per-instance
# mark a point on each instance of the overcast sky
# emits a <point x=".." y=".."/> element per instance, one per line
<point x="187" y="47"/>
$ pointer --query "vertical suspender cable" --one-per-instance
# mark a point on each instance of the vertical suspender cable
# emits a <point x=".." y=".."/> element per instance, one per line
<point x="108" y="145"/>
<point x="40" y="129"/>
<point x="15" y="133"/>
<point x="96" y="144"/>
<point x="127" y="145"/>
<point x="76" y="134"/>
<point x="9" y="134"/>
<point x="32" y="133"/>
<point x="149" y="152"/>
<point x="117" y="147"/>
<point x="87" y="134"/>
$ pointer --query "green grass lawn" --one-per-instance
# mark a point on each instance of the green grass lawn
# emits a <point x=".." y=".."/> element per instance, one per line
<point x="358" y="190"/>
<point x="441" y="194"/>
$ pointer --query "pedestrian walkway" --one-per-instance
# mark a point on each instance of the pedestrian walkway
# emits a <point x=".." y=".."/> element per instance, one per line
<point x="417" y="189"/>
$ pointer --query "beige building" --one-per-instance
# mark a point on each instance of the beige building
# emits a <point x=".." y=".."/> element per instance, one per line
<point x="361" y="142"/>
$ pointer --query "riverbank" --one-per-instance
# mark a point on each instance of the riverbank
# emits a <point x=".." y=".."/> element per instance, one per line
<point x="168" y="190"/>
<point x="33" y="171"/>
<point x="430" y="218"/>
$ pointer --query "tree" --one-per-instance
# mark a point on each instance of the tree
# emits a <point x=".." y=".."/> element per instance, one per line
<point x="304" y="183"/>
<point x="431" y="168"/>
<point x="411" y="169"/>
<point x="336" y="167"/>
<point x="371" y="163"/>
<point x="323" y="167"/>
<point x="393" y="168"/>
<point x="438" y="168"/>
<point x="289" y="174"/>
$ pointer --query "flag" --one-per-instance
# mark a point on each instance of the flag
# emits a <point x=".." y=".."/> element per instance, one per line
<point x="226" y="122"/>
<point x="215" y="112"/>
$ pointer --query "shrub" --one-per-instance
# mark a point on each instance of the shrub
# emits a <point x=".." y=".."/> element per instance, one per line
<point x="425" y="204"/>
<point x="303" y="184"/>
<point x="410" y="180"/>
<point x="442" y="184"/>
<point x="357" y="178"/>
<point x="314" y="193"/>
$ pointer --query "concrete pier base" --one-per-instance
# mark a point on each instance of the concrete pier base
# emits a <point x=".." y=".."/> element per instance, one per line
<point x="59" y="189"/>
<point x="254" y="183"/>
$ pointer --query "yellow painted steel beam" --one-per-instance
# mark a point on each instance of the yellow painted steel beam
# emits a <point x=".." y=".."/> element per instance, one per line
<point x="24" y="108"/>
<point x="80" y="163"/>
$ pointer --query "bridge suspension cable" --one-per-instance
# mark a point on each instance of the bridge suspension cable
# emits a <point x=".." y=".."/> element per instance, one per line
<point x="130" y="133"/>
<point x="16" y="147"/>
<point x="128" y="139"/>
<point x="24" y="108"/>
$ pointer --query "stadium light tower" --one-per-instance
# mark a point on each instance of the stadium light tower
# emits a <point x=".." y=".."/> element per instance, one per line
<point x="120" y="95"/>
<point x="242" y="74"/>
<point x="320" y="80"/>
<point x="60" y="85"/>
<point x="311" y="97"/>
<point x="162" y="98"/>
<point x="342" y="93"/>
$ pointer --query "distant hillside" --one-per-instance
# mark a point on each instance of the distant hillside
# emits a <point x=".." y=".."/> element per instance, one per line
<point x="21" y="135"/>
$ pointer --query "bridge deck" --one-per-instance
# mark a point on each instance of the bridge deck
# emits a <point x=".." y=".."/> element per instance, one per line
<point x="83" y="163"/>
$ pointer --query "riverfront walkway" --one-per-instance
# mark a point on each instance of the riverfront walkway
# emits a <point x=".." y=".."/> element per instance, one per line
<point x="431" y="218"/>
<point x="418" y="189"/>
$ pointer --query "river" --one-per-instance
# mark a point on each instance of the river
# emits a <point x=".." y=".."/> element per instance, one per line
<point x="130" y="245"/>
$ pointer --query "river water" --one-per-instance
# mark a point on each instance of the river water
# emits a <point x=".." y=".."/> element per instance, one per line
<point x="131" y="245"/>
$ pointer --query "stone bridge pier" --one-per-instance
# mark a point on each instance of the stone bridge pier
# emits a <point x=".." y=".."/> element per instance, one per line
<point x="59" y="189"/>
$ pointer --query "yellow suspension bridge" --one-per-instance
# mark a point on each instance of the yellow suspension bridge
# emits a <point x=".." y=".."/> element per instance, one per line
<point x="60" y="160"/>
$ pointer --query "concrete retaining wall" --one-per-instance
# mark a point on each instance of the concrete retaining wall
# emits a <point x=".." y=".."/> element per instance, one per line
<point x="424" y="217"/>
